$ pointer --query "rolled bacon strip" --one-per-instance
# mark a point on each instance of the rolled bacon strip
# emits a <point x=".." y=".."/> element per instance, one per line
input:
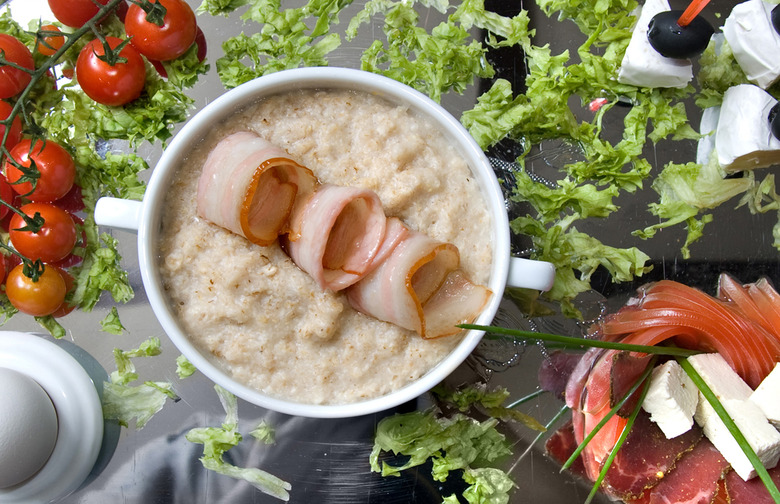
<point x="336" y="235"/>
<point x="249" y="186"/>
<point x="419" y="287"/>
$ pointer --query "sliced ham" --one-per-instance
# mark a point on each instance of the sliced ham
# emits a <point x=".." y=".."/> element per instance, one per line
<point x="336" y="235"/>
<point x="250" y="186"/>
<point x="646" y="458"/>
<point x="418" y="286"/>
<point x="694" y="480"/>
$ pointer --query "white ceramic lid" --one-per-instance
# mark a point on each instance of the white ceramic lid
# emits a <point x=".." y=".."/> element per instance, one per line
<point x="79" y="414"/>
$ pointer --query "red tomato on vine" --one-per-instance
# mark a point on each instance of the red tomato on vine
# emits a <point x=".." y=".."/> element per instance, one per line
<point x="53" y="242"/>
<point x="39" y="297"/>
<point x="159" y="35"/>
<point x="75" y="13"/>
<point x="13" y="80"/>
<point x="112" y="82"/>
<point x="56" y="170"/>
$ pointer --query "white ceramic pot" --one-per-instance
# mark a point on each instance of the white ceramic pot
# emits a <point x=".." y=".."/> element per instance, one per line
<point x="144" y="217"/>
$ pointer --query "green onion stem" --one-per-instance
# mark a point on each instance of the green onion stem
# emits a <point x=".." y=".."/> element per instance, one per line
<point x="554" y="420"/>
<point x="532" y="395"/>
<point x="582" y="342"/>
<point x="708" y="394"/>
<point x="619" y="443"/>
<point x="609" y="415"/>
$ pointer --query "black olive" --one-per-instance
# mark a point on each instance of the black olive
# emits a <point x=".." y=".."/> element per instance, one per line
<point x="675" y="41"/>
<point x="776" y="18"/>
<point x="774" y="120"/>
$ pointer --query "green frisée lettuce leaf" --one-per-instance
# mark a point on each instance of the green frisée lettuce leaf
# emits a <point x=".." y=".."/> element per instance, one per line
<point x="184" y="368"/>
<point x="446" y="58"/>
<point x="124" y="402"/>
<point x="264" y="432"/>
<point x="686" y="190"/>
<point x="220" y="7"/>
<point x="452" y="443"/>
<point x="217" y="440"/>
<point x="285" y="40"/>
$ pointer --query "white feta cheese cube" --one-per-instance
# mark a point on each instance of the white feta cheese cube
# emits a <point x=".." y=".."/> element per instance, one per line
<point x="754" y="42"/>
<point x="734" y="394"/>
<point x="744" y="140"/>
<point x="721" y="378"/>
<point x="644" y="66"/>
<point x="767" y="396"/>
<point x="758" y="432"/>
<point x="671" y="399"/>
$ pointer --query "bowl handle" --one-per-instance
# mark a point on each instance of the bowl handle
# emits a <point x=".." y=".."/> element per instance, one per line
<point x="530" y="274"/>
<point x="118" y="213"/>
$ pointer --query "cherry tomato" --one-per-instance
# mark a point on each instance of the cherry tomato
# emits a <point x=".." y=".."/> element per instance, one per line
<point x="162" y="42"/>
<point x="55" y="166"/>
<point x="73" y="259"/>
<point x="6" y="194"/>
<point x="112" y="85"/>
<point x="75" y="13"/>
<point x="15" y="132"/>
<point x="53" y="242"/>
<point x="14" y="80"/>
<point x="200" y="40"/>
<point x="49" y="44"/>
<point x="3" y="267"/>
<point x="39" y="298"/>
<point x="65" y="307"/>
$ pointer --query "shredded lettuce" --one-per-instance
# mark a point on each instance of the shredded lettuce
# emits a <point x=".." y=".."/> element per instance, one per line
<point x="264" y="432"/>
<point x="217" y="440"/>
<point x="284" y="41"/>
<point x="184" y="368"/>
<point x="124" y="402"/>
<point x="452" y="443"/>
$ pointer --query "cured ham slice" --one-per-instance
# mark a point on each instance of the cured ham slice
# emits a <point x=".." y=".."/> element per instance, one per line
<point x="418" y="286"/>
<point x="250" y="187"/>
<point x="336" y="235"/>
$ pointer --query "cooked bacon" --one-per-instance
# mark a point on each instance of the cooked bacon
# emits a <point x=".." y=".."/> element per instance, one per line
<point x="336" y="235"/>
<point x="250" y="186"/>
<point x="418" y="286"/>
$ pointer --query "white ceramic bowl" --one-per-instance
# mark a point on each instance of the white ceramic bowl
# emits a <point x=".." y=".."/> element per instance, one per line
<point x="144" y="217"/>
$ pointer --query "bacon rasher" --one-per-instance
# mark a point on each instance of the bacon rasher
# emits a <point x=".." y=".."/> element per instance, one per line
<point x="420" y="287"/>
<point x="250" y="186"/>
<point x="336" y="235"/>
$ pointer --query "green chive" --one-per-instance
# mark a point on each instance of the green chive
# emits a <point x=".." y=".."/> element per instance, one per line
<point x="582" y="342"/>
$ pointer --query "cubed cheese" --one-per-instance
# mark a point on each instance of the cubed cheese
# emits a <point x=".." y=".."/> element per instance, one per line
<point x="767" y="396"/>
<point x="743" y="139"/>
<point x="707" y="127"/>
<point x="754" y="42"/>
<point x="671" y="399"/>
<point x="644" y="66"/>
<point x="734" y="394"/>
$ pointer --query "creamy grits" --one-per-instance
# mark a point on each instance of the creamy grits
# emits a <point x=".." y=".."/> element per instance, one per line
<point x="267" y="323"/>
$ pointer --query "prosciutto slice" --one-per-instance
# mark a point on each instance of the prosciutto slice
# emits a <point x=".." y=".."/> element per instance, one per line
<point x="336" y="235"/>
<point x="419" y="286"/>
<point x="250" y="187"/>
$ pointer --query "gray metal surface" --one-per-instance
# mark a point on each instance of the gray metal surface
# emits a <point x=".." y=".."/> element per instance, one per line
<point x="327" y="460"/>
